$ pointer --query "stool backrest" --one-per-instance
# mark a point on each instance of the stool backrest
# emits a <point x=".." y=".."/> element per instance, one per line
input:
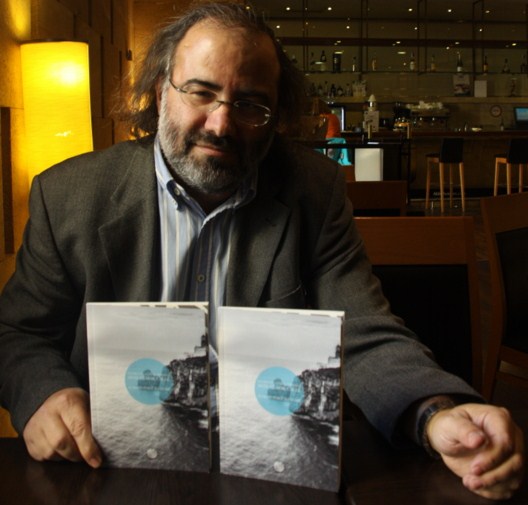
<point x="518" y="151"/>
<point x="452" y="150"/>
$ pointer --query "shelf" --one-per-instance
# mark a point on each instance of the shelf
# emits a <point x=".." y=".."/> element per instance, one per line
<point x="344" y="100"/>
<point x="408" y="72"/>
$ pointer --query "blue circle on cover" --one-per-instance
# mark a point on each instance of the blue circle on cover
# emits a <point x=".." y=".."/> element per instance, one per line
<point x="279" y="391"/>
<point x="148" y="381"/>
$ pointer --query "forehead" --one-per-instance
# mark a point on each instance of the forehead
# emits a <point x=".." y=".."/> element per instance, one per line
<point x="227" y="56"/>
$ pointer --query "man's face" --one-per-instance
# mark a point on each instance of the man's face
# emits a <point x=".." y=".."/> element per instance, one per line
<point x="210" y="151"/>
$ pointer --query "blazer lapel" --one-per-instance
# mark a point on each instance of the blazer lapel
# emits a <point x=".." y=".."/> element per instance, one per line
<point x="131" y="237"/>
<point x="257" y="233"/>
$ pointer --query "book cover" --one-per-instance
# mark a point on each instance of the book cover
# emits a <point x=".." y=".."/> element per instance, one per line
<point x="149" y="384"/>
<point x="280" y="395"/>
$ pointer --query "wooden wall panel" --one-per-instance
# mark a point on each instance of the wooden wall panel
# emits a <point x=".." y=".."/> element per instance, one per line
<point x="79" y="8"/>
<point x="101" y="17"/>
<point x="51" y="20"/>
<point x="94" y="39"/>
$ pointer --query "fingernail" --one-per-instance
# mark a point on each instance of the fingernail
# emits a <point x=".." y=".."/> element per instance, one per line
<point x="95" y="462"/>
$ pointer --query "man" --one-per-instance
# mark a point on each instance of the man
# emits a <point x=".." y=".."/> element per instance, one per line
<point x="215" y="205"/>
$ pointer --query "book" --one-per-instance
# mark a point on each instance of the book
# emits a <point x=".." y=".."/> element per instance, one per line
<point x="280" y="395"/>
<point x="149" y="384"/>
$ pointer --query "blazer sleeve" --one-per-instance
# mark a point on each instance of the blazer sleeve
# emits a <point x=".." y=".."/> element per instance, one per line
<point x="386" y="368"/>
<point x="39" y="310"/>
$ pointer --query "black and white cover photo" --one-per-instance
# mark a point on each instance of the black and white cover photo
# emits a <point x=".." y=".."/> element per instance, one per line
<point x="149" y="384"/>
<point x="279" y="392"/>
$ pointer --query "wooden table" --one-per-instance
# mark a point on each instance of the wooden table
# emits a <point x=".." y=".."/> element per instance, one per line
<point x="27" y="482"/>
<point x="374" y="474"/>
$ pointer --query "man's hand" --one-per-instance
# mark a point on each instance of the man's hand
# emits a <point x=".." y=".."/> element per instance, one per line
<point x="482" y="445"/>
<point x="61" y="429"/>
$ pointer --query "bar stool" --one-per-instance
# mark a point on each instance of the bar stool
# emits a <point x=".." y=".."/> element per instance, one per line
<point x="517" y="155"/>
<point x="451" y="153"/>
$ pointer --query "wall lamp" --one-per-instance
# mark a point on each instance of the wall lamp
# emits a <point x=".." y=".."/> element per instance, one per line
<point x="56" y="94"/>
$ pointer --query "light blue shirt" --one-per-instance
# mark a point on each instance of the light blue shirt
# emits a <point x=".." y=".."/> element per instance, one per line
<point x="195" y="247"/>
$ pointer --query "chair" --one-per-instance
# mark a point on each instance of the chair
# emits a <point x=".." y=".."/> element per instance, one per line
<point x="517" y="155"/>
<point x="6" y="429"/>
<point x="505" y="221"/>
<point x="428" y="272"/>
<point x="451" y="153"/>
<point x="378" y="198"/>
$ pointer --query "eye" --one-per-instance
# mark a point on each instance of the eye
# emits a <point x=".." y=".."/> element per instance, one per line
<point x="246" y="105"/>
<point x="201" y="94"/>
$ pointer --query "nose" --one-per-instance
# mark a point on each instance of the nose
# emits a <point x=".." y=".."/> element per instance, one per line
<point x="219" y="119"/>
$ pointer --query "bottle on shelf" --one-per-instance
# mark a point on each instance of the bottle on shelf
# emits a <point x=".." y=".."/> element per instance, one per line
<point x="524" y="67"/>
<point x="340" y="91"/>
<point x="485" y="64"/>
<point x="374" y="63"/>
<point x="412" y="63"/>
<point x="336" y="62"/>
<point x="312" y="62"/>
<point x="322" y="60"/>
<point x="354" y="64"/>
<point x="432" y="66"/>
<point x="333" y="90"/>
<point x="348" y="90"/>
<point x="459" y="65"/>
<point x="506" y="67"/>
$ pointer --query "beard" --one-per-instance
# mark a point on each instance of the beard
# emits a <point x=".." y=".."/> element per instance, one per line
<point x="207" y="175"/>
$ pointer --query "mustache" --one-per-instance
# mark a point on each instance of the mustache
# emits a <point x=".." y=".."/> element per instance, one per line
<point x="226" y="142"/>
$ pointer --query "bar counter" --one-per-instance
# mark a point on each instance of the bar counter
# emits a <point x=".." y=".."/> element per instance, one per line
<point x="480" y="148"/>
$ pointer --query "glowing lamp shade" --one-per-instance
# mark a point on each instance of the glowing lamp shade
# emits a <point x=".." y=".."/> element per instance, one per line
<point x="56" y="94"/>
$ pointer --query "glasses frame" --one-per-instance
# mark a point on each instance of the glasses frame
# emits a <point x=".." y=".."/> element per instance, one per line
<point x="215" y="104"/>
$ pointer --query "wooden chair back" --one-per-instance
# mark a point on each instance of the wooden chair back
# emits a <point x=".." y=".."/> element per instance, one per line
<point x="505" y="221"/>
<point x="378" y="198"/>
<point x="428" y="271"/>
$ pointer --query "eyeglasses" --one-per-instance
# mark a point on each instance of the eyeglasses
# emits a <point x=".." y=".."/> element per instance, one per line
<point x="243" y="111"/>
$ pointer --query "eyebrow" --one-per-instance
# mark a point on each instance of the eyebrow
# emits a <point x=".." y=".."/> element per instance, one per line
<point x="216" y="87"/>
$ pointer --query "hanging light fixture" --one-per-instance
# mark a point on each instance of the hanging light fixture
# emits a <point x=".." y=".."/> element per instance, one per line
<point x="56" y="94"/>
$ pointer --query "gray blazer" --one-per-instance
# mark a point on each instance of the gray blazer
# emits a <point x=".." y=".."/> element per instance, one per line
<point x="94" y="235"/>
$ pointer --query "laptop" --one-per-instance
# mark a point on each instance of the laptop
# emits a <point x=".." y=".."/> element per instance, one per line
<point x="520" y="115"/>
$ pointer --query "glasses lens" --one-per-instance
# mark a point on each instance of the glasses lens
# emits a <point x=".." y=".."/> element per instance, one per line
<point x="244" y="111"/>
<point x="251" y="113"/>
<point x="198" y="97"/>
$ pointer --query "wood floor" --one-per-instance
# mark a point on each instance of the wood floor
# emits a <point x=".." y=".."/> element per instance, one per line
<point x="505" y="394"/>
